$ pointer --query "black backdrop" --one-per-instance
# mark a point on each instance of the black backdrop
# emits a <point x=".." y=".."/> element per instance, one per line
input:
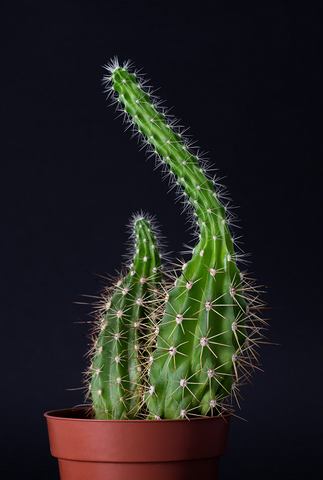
<point x="246" y="77"/>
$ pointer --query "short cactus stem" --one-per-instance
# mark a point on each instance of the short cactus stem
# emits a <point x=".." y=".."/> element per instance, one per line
<point x="119" y="353"/>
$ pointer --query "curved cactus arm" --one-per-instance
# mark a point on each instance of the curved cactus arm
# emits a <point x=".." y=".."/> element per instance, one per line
<point x="204" y="346"/>
<point x="119" y="355"/>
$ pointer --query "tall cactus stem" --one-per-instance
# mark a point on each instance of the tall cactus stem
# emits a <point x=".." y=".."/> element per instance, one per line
<point x="206" y="339"/>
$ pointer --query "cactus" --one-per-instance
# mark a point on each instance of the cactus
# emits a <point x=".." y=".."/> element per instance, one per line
<point x="119" y="352"/>
<point x="182" y="350"/>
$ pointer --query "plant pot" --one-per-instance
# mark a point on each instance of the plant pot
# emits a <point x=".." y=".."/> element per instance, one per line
<point x="90" y="449"/>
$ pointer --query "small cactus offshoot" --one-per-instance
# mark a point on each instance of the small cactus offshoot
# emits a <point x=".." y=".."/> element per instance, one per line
<point x="199" y="345"/>
<point x="120" y="353"/>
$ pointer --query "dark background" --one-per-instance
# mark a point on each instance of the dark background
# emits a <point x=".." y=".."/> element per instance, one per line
<point x="246" y="77"/>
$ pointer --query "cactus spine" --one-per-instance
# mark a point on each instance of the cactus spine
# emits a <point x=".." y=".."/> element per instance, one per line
<point x="206" y="339"/>
<point x="120" y="353"/>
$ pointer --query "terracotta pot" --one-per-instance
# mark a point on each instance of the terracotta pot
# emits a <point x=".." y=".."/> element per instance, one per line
<point x="89" y="449"/>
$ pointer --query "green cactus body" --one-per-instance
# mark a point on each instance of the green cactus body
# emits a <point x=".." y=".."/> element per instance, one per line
<point x="119" y="353"/>
<point x="202" y="342"/>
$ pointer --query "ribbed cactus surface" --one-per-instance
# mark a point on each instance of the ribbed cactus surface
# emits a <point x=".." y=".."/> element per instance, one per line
<point x="120" y="350"/>
<point x="206" y="337"/>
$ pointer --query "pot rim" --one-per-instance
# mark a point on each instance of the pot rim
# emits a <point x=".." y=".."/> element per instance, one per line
<point x="56" y="414"/>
